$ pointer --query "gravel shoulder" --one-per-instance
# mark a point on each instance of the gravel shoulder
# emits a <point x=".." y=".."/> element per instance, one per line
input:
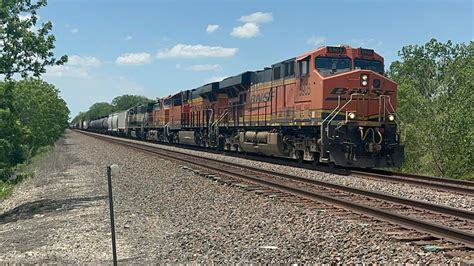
<point x="165" y="213"/>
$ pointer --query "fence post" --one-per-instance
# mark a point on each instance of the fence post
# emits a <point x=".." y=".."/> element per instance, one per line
<point x="112" y="169"/>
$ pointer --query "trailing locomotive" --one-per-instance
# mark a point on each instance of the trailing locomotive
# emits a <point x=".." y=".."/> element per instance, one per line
<point x="332" y="105"/>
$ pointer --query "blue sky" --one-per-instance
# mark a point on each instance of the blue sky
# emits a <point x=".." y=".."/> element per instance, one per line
<point x="155" y="48"/>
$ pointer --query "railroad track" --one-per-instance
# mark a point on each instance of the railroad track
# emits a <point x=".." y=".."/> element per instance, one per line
<point x="443" y="184"/>
<point x="446" y="184"/>
<point x="420" y="220"/>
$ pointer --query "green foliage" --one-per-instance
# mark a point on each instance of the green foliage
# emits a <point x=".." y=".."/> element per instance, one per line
<point x="119" y="103"/>
<point x="435" y="101"/>
<point x="127" y="101"/>
<point x="26" y="48"/>
<point x="38" y="115"/>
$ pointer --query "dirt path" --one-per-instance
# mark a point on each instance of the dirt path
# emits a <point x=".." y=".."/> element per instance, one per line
<point x="58" y="215"/>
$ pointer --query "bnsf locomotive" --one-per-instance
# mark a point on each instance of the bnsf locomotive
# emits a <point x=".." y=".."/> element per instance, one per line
<point x="333" y="105"/>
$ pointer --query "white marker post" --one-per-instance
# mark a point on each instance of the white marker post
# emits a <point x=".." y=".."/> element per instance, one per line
<point x="112" y="170"/>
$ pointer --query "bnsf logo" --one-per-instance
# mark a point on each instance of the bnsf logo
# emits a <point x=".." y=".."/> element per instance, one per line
<point x="261" y="97"/>
<point x="345" y="91"/>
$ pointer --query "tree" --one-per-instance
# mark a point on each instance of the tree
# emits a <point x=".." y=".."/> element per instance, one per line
<point x="25" y="49"/>
<point x="435" y="102"/>
<point x="127" y="101"/>
<point x="39" y="117"/>
<point x="98" y="110"/>
<point x="119" y="103"/>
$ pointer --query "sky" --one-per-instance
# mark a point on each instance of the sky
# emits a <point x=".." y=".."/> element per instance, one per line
<point x="156" y="48"/>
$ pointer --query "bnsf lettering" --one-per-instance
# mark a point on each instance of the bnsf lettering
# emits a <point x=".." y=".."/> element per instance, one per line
<point x="345" y="91"/>
<point x="262" y="97"/>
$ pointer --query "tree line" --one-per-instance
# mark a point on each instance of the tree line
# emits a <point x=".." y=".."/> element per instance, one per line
<point x="119" y="103"/>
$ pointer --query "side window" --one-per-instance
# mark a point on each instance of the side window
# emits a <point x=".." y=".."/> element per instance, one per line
<point x="292" y="68"/>
<point x="276" y="73"/>
<point x="289" y="69"/>
<point x="304" y="67"/>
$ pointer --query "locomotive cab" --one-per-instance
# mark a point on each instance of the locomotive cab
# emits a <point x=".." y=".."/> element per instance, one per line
<point x="359" y="126"/>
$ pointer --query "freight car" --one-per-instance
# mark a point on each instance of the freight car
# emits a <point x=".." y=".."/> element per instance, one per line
<point x="332" y="105"/>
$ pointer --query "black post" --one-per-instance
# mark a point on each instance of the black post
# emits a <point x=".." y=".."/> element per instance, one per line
<point x="111" y="206"/>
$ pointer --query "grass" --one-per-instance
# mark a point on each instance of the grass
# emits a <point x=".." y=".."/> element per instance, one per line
<point x="21" y="172"/>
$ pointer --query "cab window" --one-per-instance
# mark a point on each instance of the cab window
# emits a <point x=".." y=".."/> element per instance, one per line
<point x="373" y="65"/>
<point x="330" y="65"/>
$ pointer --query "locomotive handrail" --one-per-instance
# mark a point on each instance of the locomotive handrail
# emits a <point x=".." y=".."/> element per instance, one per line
<point x="213" y="127"/>
<point x="338" y="110"/>
<point x="398" y="121"/>
<point x="330" y="114"/>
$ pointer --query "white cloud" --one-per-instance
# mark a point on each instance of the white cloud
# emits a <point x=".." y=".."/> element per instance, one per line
<point x="366" y="43"/>
<point x="76" y="67"/>
<point x="214" y="79"/>
<point x="195" y="51"/>
<point x="133" y="59"/>
<point x="205" y="67"/>
<point x="316" y="40"/>
<point x="83" y="61"/>
<point x="128" y="38"/>
<point x="248" y="30"/>
<point x="257" y="17"/>
<point x="75" y="30"/>
<point x="66" y="71"/>
<point x="211" y="28"/>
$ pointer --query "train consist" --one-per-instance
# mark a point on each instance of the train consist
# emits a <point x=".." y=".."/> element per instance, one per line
<point x="332" y="105"/>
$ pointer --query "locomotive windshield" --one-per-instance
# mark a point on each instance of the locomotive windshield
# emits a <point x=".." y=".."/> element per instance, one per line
<point x="373" y="65"/>
<point x="329" y="66"/>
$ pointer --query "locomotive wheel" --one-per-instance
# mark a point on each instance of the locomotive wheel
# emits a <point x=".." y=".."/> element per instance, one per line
<point x="299" y="156"/>
<point x="315" y="159"/>
<point x="331" y="165"/>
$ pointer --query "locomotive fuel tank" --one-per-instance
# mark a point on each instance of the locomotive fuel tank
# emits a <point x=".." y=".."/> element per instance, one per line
<point x="264" y="142"/>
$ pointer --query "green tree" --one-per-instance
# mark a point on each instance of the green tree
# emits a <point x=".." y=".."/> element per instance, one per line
<point x="98" y="110"/>
<point x="26" y="50"/>
<point x="435" y="102"/>
<point x="42" y="113"/>
<point x="119" y="103"/>
<point x="127" y="101"/>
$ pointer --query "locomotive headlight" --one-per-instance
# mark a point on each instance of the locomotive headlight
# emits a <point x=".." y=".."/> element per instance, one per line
<point x="351" y="115"/>
<point x="365" y="77"/>
<point x="391" y="118"/>
<point x="364" y="83"/>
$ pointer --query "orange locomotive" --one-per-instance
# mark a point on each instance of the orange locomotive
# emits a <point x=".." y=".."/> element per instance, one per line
<point x="331" y="105"/>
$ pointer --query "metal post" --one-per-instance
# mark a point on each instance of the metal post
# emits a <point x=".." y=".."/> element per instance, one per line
<point x="111" y="206"/>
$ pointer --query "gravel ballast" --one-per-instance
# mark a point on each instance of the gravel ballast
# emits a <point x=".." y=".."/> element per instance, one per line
<point x="411" y="191"/>
<point x="165" y="213"/>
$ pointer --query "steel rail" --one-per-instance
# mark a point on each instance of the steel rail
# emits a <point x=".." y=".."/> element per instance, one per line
<point x="459" y="186"/>
<point x="441" y="231"/>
